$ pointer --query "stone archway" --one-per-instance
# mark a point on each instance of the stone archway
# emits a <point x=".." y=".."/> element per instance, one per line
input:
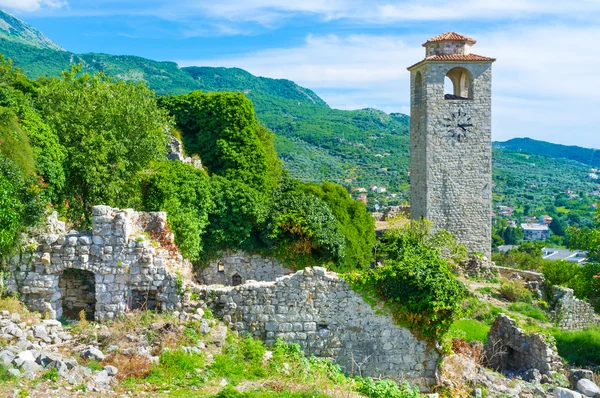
<point x="78" y="292"/>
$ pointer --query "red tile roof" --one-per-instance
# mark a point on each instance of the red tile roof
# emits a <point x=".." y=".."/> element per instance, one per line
<point x="455" y="58"/>
<point x="450" y="36"/>
<point x="458" y="57"/>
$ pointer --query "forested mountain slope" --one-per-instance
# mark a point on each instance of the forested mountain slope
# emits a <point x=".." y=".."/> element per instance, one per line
<point x="357" y="148"/>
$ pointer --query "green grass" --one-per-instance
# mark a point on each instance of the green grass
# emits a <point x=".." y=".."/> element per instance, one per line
<point x="229" y="392"/>
<point x="580" y="348"/>
<point x="528" y="310"/>
<point x="470" y="330"/>
<point x="177" y="368"/>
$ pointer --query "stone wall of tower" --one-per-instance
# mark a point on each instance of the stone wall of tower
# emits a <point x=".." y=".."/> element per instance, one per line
<point x="452" y="185"/>
<point x="418" y="145"/>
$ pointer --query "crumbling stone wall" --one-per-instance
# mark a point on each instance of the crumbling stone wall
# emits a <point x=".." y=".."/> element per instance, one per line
<point x="570" y="312"/>
<point x="224" y="269"/>
<point x="510" y="348"/>
<point x="526" y="276"/>
<point x="320" y="312"/>
<point x="119" y="252"/>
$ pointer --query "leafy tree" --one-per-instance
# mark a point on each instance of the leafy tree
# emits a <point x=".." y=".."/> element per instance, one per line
<point x="497" y="240"/>
<point x="110" y="129"/>
<point x="355" y="223"/>
<point x="14" y="143"/>
<point x="184" y="193"/>
<point x="557" y="226"/>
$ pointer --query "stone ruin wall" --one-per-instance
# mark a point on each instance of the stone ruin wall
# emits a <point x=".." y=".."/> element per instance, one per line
<point x="320" y="312"/>
<point x="569" y="312"/>
<point x="233" y="268"/>
<point x="510" y="348"/>
<point x="111" y="269"/>
<point x="118" y="259"/>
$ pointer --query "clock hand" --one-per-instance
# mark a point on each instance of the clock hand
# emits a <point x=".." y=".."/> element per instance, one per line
<point x="465" y="125"/>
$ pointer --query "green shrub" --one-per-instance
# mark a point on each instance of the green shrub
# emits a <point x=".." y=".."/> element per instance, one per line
<point x="415" y="238"/>
<point x="480" y="310"/>
<point x="183" y="192"/>
<point x="21" y="205"/>
<point x="528" y="310"/>
<point x="301" y="224"/>
<point x="470" y="330"/>
<point x="421" y="292"/>
<point x="239" y="360"/>
<point x="579" y="348"/>
<point x="514" y="290"/>
<point x="386" y="389"/>
<point x="355" y="223"/>
<point x="561" y="272"/>
<point x="238" y="213"/>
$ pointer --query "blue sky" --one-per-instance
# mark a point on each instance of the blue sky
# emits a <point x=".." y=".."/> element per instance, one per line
<point x="354" y="53"/>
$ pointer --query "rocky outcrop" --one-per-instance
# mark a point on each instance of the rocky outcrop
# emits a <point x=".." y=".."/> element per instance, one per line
<point x="175" y="152"/>
<point x="509" y="348"/>
<point x="34" y="347"/>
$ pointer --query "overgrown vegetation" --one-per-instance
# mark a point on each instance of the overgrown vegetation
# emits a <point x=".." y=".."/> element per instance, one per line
<point x="581" y="347"/>
<point x="415" y="282"/>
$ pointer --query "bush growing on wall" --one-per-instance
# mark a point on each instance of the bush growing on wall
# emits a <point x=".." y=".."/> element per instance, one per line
<point x="415" y="283"/>
<point x="354" y="222"/>
<point x="221" y="128"/>
<point x="184" y="193"/>
<point x="236" y="218"/>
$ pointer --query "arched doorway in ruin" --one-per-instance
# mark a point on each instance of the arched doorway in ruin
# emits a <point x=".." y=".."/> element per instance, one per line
<point x="78" y="293"/>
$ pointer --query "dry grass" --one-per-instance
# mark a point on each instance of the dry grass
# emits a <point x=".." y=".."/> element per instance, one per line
<point x="14" y="306"/>
<point x="129" y="365"/>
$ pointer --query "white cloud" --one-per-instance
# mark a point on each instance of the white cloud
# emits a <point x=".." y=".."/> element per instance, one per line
<point x="545" y="79"/>
<point x="31" y="5"/>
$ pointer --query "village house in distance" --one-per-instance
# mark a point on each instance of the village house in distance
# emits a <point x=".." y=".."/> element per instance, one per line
<point x="451" y="140"/>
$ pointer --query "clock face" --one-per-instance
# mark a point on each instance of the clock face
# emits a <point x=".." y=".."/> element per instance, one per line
<point x="458" y="125"/>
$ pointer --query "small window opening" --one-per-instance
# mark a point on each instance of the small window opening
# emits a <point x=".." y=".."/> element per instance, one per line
<point x="458" y="84"/>
<point x="220" y="266"/>
<point x="418" y="88"/>
<point x="144" y="300"/>
<point x="236" y="280"/>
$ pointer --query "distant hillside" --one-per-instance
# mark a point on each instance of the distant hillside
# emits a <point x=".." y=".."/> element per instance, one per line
<point x="317" y="143"/>
<point x="14" y="29"/>
<point x="528" y="145"/>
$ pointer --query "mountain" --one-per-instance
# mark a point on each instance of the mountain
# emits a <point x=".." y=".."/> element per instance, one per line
<point x="356" y="148"/>
<point x="528" y="145"/>
<point x="14" y="29"/>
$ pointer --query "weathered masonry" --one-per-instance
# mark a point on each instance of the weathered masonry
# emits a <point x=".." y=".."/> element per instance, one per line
<point x="451" y="141"/>
<point x="319" y="311"/>
<point x="105" y="272"/>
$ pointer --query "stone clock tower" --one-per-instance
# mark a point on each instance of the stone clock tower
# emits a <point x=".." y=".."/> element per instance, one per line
<point x="451" y="140"/>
